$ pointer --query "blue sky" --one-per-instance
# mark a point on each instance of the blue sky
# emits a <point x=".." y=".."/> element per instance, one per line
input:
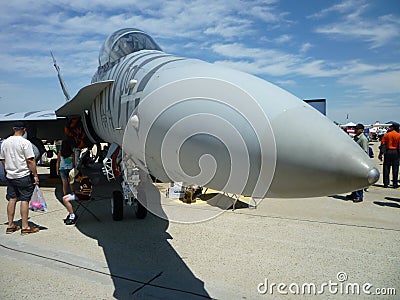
<point x="345" y="51"/>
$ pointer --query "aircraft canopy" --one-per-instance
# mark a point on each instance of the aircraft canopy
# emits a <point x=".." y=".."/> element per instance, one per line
<point x="124" y="42"/>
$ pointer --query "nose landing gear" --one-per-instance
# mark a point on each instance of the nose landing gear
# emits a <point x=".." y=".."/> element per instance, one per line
<point x="113" y="163"/>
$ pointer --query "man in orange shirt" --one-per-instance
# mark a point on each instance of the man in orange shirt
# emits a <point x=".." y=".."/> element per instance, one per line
<point x="390" y="148"/>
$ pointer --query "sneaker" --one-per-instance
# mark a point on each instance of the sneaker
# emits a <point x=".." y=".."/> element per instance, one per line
<point x="357" y="200"/>
<point x="71" y="221"/>
<point x="29" y="230"/>
<point x="66" y="218"/>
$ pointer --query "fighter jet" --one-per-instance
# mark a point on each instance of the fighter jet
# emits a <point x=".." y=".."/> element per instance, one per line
<point x="186" y="120"/>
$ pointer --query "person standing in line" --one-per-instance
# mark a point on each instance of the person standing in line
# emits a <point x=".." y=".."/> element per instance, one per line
<point x="362" y="141"/>
<point x="390" y="150"/>
<point x="65" y="163"/>
<point x="18" y="159"/>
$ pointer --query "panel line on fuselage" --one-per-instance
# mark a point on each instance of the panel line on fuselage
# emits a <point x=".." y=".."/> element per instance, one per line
<point x="116" y="72"/>
<point x="110" y="107"/>
<point x="128" y="76"/>
<point x="143" y="84"/>
<point x="121" y="72"/>
<point x="150" y="74"/>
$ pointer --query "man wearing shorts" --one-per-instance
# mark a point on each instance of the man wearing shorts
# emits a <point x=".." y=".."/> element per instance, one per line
<point x="19" y="163"/>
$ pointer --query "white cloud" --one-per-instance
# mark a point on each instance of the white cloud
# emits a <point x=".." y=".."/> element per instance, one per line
<point x="376" y="33"/>
<point x="28" y="66"/>
<point x="71" y="22"/>
<point x="237" y="50"/>
<point x="305" y="47"/>
<point x="377" y="83"/>
<point x="265" y="12"/>
<point x="229" y="28"/>
<point x="254" y="36"/>
<point x="366" y="112"/>
<point x="354" y="24"/>
<point x="285" y="83"/>
<point x="367" y="80"/>
<point x="353" y="6"/>
<point x="283" y="39"/>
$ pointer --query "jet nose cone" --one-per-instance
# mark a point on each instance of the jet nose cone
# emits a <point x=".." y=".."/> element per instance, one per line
<point x="373" y="176"/>
<point x="323" y="162"/>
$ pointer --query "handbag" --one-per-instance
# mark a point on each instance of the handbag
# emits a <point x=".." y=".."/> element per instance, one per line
<point x="37" y="202"/>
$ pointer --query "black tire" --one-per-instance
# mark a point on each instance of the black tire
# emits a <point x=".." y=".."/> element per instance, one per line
<point x="117" y="206"/>
<point x="140" y="210"/>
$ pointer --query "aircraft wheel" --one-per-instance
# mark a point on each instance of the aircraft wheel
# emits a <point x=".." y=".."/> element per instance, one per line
<point x="117" y="206"/>
<point x="140" y="210"/>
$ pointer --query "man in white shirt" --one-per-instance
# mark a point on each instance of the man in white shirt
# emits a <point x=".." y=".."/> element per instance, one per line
<point x="19" y="163"/>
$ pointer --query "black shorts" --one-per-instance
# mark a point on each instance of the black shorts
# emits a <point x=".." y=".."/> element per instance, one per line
<point x="20" y="188"/>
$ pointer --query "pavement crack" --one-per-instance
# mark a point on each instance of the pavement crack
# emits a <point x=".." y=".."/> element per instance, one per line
<point x="319" y="222"/>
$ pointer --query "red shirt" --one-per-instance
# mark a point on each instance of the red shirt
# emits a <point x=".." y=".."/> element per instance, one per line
<point x="391" y="140"/>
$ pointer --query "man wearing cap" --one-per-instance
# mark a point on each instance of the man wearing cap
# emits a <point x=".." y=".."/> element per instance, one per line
<point x="19" y="163"/>
<point x="362" y="141"/>
<point x="390" y="149"/>
<point x="85" y="189"/>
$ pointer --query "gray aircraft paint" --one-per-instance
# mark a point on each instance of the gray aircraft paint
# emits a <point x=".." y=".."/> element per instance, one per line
<point x="224" y="129"/>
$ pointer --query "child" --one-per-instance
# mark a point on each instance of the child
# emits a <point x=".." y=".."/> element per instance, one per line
<point x="83" y="194"/>
<point x="65" y="163"/>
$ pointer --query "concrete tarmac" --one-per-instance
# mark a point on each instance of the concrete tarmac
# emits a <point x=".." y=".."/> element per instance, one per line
<point x="324" y="247"/>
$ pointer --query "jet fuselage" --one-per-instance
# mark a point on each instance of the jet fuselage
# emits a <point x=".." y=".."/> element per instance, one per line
<point x="186" y="120"/>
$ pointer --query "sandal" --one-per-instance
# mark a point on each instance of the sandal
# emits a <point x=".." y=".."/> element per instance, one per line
<point x="29" y="230"/>
<point x="12" y="229"/>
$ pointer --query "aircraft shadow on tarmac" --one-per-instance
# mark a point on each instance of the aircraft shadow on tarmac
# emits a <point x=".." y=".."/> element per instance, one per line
<point x="222" y="201"/>
<point x="140" y="259"/>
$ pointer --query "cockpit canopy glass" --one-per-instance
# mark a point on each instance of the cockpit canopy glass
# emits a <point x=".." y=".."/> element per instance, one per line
<point x="124" y="42"/>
